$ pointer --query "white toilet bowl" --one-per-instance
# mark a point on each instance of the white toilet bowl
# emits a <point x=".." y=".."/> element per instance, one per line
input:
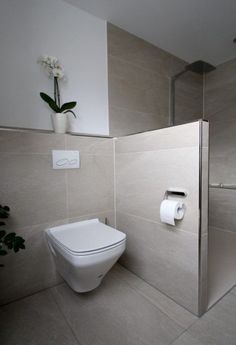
<point x="85" y="251"/>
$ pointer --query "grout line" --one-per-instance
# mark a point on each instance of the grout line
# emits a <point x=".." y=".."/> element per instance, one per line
<point x="50" y="153"/>
<point x="179" y="336"/>
<point x="57" y="222"/>
<point x="150" y="300"/>
<point x="146" y="113"/>
<point x="67" y="194"/>
<point x="152" y="71"/>
<point x="164" y="294"/>
<point x="213" y="228"/>
<point x="66" y="182"/>
<point x="158" y="223"/>
<point x="46" y="131"/>
<point x="30" y="295"/>
<point x="171" y="148"/>
<point x="64" y="317"/>
<point x="114" y="189"/>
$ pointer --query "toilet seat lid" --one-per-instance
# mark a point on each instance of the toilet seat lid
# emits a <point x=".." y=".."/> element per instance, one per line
<point x="86" y="236"/>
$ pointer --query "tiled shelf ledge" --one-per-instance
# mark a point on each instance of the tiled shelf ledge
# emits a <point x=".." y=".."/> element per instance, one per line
<point x="30" y="130"/>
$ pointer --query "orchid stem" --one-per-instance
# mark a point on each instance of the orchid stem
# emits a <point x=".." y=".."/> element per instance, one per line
<point x="55" y="90"/>
<point x="58" y="93"/>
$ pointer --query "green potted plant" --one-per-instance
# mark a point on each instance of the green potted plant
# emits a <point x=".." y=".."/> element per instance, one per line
<point x="8" y="241"/>
<point x="55" y="71"/>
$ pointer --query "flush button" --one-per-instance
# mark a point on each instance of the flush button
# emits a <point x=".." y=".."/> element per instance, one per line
<point x="65" y="159"/>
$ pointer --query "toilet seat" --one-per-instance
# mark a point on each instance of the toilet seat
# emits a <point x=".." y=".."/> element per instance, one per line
<point x="86" y="237"/>
<point x="84" y="252"/>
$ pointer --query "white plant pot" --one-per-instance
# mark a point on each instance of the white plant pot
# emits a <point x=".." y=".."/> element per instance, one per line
<point x="73" y="125"/>
<point x="60" y="122"/>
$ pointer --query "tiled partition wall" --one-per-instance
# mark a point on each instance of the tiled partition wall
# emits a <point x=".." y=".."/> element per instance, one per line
<point x="220" y="110"/>
<point x="139" y="76"/>
<point x="172" y="259"/>
<point x="40" y="197"/>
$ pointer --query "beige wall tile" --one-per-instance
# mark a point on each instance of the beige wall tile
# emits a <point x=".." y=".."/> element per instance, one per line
<point x="30" y="270"/>
<point x="91" y="188"/>
<point x="221" y="263"/>
<point x="107" y="217"/>
<point x="137" y="51"/>
<point x="220" y="91"/>
<point x="139" y="81"/>
<point x="142" y="179"/>
<point x="30" y="142"/>
<point x="124" y="121"/>
<point x="35" y="192"/>
<point x="167" y="138"/>
<point x="90" y="145"/>
<point x="133" y="97"/>
<point x="222" y="209"/>
<point x="167" y="259"/>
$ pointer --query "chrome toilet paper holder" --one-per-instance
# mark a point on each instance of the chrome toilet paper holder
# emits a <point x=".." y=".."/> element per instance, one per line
<point x="175" y="192"/>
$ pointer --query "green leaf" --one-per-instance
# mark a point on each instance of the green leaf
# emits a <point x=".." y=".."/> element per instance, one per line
<point x="3" y="252"/>
<point x="4" y="211"/>
<point x="69" y="105"/>
<point x="9" y="240"/>
<point x="52" y="104"/>
<point x="2" y="233"/>
<point x="18" y="244"/>
<point x="70" y="111"/>
<point x="2" y="223"/>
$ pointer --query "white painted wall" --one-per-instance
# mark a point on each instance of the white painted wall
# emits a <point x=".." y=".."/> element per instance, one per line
<point x="30" y="28"/>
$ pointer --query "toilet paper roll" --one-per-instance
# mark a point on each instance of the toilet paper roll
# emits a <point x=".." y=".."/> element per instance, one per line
<point x="171" y="210"/>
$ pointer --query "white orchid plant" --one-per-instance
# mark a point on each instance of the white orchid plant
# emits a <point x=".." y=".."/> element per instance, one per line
<point x="55" y="71"/>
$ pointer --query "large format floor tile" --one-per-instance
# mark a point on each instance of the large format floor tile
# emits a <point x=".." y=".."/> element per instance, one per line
<point x="186" y="339"/>
<point x="233" y="291"/>
<point x="173" y="310"/>
<point x="115" y="314"/>
<point x="35" y="320"/>
<point x="218" y="325"/>
<point x="124" y="310"/>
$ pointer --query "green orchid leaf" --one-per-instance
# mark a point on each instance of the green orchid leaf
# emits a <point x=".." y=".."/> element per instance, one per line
<point x="52" y="104"/>
<point x="69" y="105"/>
<point x="70" y="111"/>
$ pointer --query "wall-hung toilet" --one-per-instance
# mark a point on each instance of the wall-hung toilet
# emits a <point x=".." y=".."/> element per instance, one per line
<point x="85" y="251"/>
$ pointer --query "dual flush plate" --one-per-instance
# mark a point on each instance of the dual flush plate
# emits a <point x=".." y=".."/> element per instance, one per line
<point x="65" y="159"/>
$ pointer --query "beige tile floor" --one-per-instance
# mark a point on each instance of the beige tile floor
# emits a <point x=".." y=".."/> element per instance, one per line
<point x="124" y="310"/>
